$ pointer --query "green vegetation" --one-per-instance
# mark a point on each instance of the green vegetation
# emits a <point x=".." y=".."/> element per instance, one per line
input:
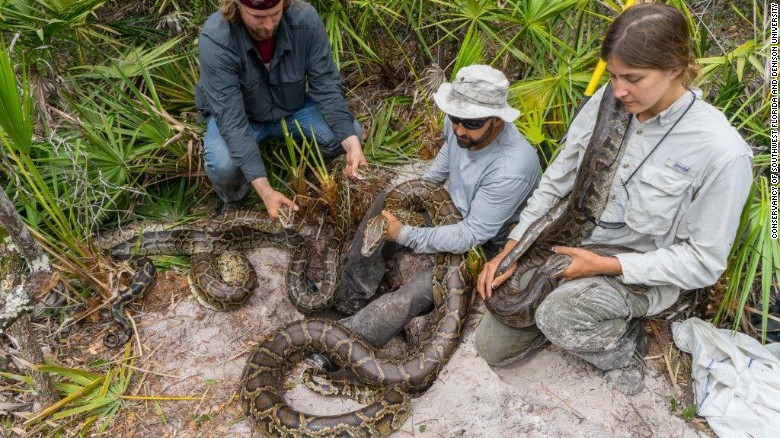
<point x="98" y="124"/>
<point x="687" y="413"/>
<point x="89" y="398"/>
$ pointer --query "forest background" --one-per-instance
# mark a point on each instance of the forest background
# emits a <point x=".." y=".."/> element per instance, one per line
<point x="98" y="126"/>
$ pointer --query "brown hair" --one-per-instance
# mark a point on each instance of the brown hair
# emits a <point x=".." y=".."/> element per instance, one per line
<point x="652" y="35"/>
<point x="232" y="13"/>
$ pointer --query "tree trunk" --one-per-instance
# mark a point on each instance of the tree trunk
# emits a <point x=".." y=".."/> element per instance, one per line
<point x="17" y="298"/>
<point x="30" y="351"/>
<point x="17" y="293"/>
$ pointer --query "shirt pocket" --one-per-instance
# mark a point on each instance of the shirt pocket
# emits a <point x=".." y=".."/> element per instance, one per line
<point x="292" y="90"/>
<point x="254" y="98"/>
<point x="655" y="199"/>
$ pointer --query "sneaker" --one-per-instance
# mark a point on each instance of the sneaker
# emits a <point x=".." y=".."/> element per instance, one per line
<point x="322" y="363"/>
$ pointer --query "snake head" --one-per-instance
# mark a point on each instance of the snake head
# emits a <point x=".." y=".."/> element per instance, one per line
<point x="555" y="265"/>
<point x="286" y="216"/>
<point x="374" y="235"/>
<point x="504" y="265"/>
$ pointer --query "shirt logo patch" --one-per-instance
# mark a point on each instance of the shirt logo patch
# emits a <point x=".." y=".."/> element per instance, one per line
<point x="683" y="168"/>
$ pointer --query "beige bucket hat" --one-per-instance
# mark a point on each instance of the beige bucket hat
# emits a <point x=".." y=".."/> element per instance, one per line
<point x="478" y="91"/>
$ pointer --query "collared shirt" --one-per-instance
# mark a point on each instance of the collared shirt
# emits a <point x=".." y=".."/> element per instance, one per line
<point x="681" y="208"/>
<point x="236" y="88"/>
<point x="489" y="187"/>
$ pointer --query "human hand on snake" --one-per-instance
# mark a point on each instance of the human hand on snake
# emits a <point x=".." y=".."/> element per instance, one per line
<point x="272" y="199"/>
<point x="355" y="157"/>
<point x="586" y="263"/>
<point x="393" y="226"/>
<point x="487" y="280"/>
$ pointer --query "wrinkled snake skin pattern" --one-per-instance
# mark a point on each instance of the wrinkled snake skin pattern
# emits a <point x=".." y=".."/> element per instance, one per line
<point x="261" y="388"/>
<point x="565" y="224"/>
<point x="213" y="244"/>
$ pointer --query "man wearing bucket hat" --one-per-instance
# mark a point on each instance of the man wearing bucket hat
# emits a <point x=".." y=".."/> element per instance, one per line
<point x="261" y="62"/>
<point x="491" y="169"/>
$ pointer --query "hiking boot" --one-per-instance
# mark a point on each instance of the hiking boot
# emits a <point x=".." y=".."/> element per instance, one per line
<point x="629" y="380"/>
<point x="772" y="326"/>
<point x="642" y="341"/>
<point x="226" y="207"/>
<point x="322" y="363"/>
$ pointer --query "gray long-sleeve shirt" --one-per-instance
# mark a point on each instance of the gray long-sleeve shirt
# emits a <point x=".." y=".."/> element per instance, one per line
<point x="489" y="188"/>
<point x="682" y="207"/>
<point x="235" y="87"/>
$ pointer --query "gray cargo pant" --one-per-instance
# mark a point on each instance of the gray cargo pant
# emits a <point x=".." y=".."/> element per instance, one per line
<point x="378" y="321"/>
<point x="592" y="318"/>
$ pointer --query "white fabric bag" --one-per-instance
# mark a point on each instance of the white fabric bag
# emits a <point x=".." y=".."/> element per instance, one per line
<point x="736" y="380"/>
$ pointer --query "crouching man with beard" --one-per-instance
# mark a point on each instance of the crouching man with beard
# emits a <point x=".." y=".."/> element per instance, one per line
<point x="491" y="170"/>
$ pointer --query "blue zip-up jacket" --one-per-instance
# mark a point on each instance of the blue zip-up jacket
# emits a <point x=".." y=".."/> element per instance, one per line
<point x="236" y="88"/>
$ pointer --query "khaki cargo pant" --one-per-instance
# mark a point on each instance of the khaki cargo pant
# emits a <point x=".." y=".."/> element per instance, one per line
<point x="591" y="318"/>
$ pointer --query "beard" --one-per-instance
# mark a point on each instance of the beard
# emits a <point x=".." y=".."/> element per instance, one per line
<point x="261" y="34"/>
<point x="465" y="142"/>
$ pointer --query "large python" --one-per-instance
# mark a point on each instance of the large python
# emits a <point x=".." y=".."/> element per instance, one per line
<point x="205" y="240"/>
<point x="262" y="391"/>
<point x="568" y="223"/>
<point x="215" y="241"/>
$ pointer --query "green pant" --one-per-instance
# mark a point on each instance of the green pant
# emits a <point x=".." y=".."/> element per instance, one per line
<point x="589" y="317"/>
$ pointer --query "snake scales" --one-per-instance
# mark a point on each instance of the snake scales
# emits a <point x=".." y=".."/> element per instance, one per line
<point x="212" y="242"/>
<point x="261" y="388"/>
<point x="568" y="223"/>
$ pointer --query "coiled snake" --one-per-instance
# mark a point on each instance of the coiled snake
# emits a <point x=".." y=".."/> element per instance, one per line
<point x="261" y="390"/>
<point x="215" y="241"/>
<point x="567" y="223"/>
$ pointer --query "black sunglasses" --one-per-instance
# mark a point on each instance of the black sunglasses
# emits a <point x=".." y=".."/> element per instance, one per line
<point x="470" y="124"/>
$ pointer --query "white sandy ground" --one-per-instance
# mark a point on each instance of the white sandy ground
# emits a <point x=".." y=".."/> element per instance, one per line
<point x="196" y="352"/>
<point x="192" y="351"/>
